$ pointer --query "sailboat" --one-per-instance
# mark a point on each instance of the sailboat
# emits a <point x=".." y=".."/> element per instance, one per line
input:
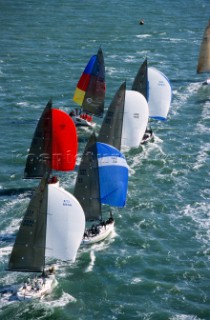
<point x="90" y="91"/>
<point x="126" y="119"/>
<point x="102" y="179"/>
<point x="204" y="54"/>
<point x="54" y="222"/>
<point x="50" y="147"/>
<point x="53" y="226"/>
<point x="156" y="89"/>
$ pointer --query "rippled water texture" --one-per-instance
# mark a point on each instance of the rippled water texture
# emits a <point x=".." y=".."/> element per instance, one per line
<point x="156" y="265"/>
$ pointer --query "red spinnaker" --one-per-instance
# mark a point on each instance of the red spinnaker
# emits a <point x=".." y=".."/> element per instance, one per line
<point x="64" y="141"/>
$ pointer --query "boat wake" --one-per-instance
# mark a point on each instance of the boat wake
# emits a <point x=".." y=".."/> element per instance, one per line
<point x="199" y="213"/>
<point x="59" y="302"/>
<point x="92" y="262"/>
<point x="103" y="245"/>
<point x="202" y="157"/>
<point x="152" y="151"/>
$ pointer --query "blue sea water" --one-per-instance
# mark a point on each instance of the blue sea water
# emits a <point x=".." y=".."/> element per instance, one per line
<point x="156" y="265"/>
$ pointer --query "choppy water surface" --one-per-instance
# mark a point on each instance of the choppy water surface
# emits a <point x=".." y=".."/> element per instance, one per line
<point x="156" y="265"/>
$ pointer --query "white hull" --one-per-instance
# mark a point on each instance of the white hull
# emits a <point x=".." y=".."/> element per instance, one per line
<point x="80" y="122"/>
<point x="37" y="290"/>
<point x="207" y="82"/>
<point x="103" y="232"/>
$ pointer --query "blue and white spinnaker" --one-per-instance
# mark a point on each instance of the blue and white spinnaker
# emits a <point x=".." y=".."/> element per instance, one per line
<point x="113" y="175"/>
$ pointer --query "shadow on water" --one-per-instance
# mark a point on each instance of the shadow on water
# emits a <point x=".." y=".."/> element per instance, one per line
<point x="7" y="237"/>
<point x="8" y="294"/>
<point x="203" y="100"/>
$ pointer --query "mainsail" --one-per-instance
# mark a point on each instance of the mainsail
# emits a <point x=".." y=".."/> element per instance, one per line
<point x="140" y="82"/>
<point x="111" y="128"/>
<point x="204" y="54"/>
<point x="54" y="144"/>
<point x="28" y="252"/>
<point x="90" y="90"/>
<point x="87" y="189"/>
<point x="39" y="157"/>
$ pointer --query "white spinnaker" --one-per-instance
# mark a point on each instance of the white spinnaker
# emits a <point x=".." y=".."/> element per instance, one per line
<point x="135" y="119"/>
<point x="65" y="224"/>
<point x="159" y="94"/>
